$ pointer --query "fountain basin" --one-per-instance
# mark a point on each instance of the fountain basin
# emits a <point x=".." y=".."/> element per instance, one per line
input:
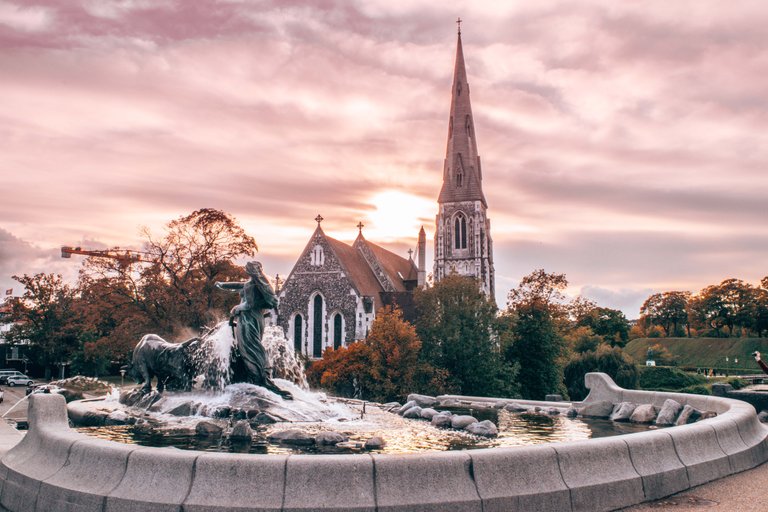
<point x="54" y="468"/>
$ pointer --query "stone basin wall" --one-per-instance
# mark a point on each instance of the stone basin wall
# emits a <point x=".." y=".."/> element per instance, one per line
<point x="55" y="468"/>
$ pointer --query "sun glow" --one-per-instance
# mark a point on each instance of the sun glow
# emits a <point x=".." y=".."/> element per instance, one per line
<point x="398" y="215"/>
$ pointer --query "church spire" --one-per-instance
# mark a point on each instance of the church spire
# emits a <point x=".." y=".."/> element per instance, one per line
<point x="462" y="176"/>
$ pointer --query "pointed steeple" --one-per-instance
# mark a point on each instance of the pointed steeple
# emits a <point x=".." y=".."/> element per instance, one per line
<point x="462" y="176"/>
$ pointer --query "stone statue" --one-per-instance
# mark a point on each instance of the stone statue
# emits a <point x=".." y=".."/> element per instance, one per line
<point x="247" y="320"/>
<point x="171" y="363"/>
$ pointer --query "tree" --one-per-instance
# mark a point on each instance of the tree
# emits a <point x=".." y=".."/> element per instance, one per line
<point x="537" y="343"/>
<point x="609" y="323"/>
<point x="729" y="304"/>
<point x="612" y="361"/>
<point x="45" y="316"/>
<point x="668" y="309"/>
<point x="455" y="322"/>
<point x="196" y="251"/>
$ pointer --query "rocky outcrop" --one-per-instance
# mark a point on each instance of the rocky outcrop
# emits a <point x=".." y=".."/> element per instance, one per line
<point x="669" y="412"/>
<point x="645" y="413"/>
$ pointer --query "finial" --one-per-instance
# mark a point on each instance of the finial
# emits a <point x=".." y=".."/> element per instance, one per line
<point x="458" y="23"/>
<point x="410" y="254"/>
<point x="360" y="226"/>
<point x="319" y="219"/>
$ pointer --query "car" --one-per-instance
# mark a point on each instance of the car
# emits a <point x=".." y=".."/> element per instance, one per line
<point x="19" y="380"/>
<point x="1" y="396"/>
<point x="45" y="388"/>
<point x="4" y="374"/>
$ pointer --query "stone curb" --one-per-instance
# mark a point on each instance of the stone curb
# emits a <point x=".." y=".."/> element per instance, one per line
<point x="55" y="468"/>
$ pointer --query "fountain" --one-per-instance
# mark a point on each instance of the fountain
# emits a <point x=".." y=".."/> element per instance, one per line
<point x="57" y="468"/>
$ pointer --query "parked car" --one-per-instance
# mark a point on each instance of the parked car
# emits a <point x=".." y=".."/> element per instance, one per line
<point x="45" y="388"/>
<point x="1" y="396"/>
<point x="4" y="374"/>
<point x="19" y="380"/>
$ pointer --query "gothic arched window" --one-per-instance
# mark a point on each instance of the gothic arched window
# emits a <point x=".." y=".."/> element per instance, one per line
<point x="337" y="328"/>
<point x="298" y="331"/>
<point x="317" y="326"/>
<point x="468" y="126"/>
<point x="460" y="232"/>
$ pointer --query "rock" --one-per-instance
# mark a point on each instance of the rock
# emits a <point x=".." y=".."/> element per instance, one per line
<point x="330" y="438"/>
<point x="644" y="413"/>
<point x="422" y="400"/>
<point x="146" y="401"/>
<point x="484" y="428"/>
<point x="143" y="428"/>
<point x="708" y="414"/>
<point x="537" y="409"/>
<point x="252" y="413"/>
<point x="515" y="407"/>
<point x="264" y="419"/>
<point x="763" y="417"/>
<point x="669" y="412"/>
<point x="461" y="422"/>
<point x="428" y="413"/>
<point x="221" y="412"/>
<point x="572" y="412"/>
<point x="500" y="404"/>
<point x="183" y="409"/>
<point x="553" y="411"/>
<point x="405" y="407"/>
<point x="623" y="411"/>
<point x="390" y="406"/>
<point x="241" y="431"/>
<point x="208" y="429"/>
<point x="599" y="409"/>
<point x="292" y="436"/>
<point x="413" y="413"/>
<point x="116" y="418"/>
<point x="688" y="415"/>
<point x="375" y="443"/>
<point x="93" y="419"/>
<point x="449" y="402"/>
<point x="442" y="420"/>
<point x="553" y="398"/>
<point x="238" y="414"/>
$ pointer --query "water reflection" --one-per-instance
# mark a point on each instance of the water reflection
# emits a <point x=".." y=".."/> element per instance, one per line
<point x="402" y="435"/>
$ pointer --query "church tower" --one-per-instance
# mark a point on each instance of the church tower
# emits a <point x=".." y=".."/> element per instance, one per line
<point x="463" y="231"/>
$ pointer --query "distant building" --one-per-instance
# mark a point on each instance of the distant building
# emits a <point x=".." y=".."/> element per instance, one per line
<point x="333" y="292"/>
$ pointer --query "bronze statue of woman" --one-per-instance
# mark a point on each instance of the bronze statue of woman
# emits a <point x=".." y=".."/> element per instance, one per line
<point x="247" y="318"/>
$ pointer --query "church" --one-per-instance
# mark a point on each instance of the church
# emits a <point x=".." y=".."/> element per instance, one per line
<point x="331" y="296"/>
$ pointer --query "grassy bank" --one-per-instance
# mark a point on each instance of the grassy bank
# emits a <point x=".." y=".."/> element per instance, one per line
<point x="705" y="352"/>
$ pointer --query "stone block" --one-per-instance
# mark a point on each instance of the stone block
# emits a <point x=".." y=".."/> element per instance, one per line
<point x="623" y="411"/>
<point x="654" y="458"/>
<point x="156" y="480"/>
<point x="699" y="451"/>
<point x="668" y="413"/>
<point x="644" y="413"/>
<point x="237" y="482"/>
<point x="519" y="479"/>
<point x="40" y="459"/>
<point x="597" y="409"/>
<point x="329" y="482"/>
<point x="422" y="400"/>
<point x="94" y="468"/>
<point x="431" y="482"/>
<point x="599" y="474"/>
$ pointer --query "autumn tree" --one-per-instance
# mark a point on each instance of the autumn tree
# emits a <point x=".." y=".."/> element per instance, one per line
<point x="46" y="317"/>
<point x="668" y="310"/>
<point x="729" y="304"/>
<point x="610" y="324"/>
<point x="455" y="322"/>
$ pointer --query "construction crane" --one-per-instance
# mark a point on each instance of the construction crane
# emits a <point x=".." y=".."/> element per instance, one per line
<point x="124" y="256"/>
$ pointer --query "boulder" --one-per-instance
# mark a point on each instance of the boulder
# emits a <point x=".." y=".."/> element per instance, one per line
<point x="553" y="411"/>
<point x="644" y="413"/>
<point x="242" y="431"/>
<point x="461" y="422"/>
<point x="428" y="413"/>
<point x="183" y="409"/>
<point x="599" y="409"/>
<point x="413" y="413"/>
<point x="688" y="415"/>
<point x="375" y="443"/>
<point x="422" y="400"/>
<point x="207" y="429"/>
<point x="442" y="420"/>
<point x="264" y="419"/>
<point x="390" y="406"/>
<point x="484" y="428"/>
<point x="572" y="412"/>
<point x="117" y="418"/>
<point x="93" y="419"/>
<point x="669" y="412"/>
<point x="405" y="407"/>
<point x="252" y="413"/>
<point x="220" y="412"/>
<point x="623" y="411"/>
<point x="763" y="416"/>
<point x="500" y="404"/>
<point x="330" y="438"/>
<point x="515" y="407"/>
<point x="292" y="436"/>
<point x="710" y="414"/>
<point x="449" y="402"/>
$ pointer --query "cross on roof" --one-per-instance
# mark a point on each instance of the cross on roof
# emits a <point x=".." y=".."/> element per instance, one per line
<point x="319" y="219"/>
<point x="410" y="254"/>
<point x="458" y="23"/>
<point x="360" y="226"/>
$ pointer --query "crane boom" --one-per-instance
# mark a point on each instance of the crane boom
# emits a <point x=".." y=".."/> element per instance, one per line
<point x="121" y="255"/>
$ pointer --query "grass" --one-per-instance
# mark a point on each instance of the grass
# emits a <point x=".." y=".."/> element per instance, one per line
<point x="705" y="352"/>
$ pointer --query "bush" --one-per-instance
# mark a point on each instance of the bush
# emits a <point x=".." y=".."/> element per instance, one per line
<point x="667" y="379"/>
<point x="737" y="383"/>
<point x="697" y="389"/>
<point x="612" y="361"/>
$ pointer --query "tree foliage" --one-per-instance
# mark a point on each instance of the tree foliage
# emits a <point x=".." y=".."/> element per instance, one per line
<point x="455" y="322"/>
<point x="610" y="360"/>
<point x="668" y="310"/>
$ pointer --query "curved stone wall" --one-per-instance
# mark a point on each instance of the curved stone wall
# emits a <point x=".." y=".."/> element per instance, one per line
<point x="55" y="468"/>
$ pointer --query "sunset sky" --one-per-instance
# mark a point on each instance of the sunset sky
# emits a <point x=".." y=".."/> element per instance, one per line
<point x="623" y="143"/>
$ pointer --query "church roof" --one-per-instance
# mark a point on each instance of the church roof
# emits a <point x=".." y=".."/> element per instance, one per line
<point x="398" y="268"/>
<point x="357" y="268"/>
<point x="462" y="176"/>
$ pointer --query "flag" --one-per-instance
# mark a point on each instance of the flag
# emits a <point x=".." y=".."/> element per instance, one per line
<point x="9" y="291"/>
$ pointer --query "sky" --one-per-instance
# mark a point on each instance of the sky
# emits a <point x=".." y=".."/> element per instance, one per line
<point x="623" y="143"/>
